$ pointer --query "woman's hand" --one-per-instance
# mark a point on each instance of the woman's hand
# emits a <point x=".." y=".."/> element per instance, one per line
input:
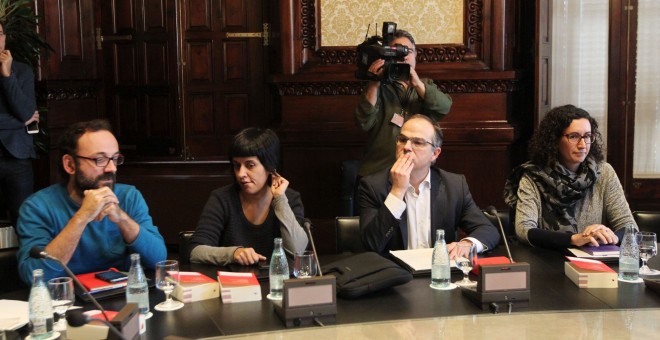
<point x="278" y="184"/>
<point x="595" y="235"/>
<point x="247" y="256"/>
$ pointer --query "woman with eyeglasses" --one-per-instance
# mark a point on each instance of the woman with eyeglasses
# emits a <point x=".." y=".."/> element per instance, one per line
<point x="567" y="195"/>
<point x="241" y="220"/>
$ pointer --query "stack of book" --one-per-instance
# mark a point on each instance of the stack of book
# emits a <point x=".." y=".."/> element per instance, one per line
<point x="586" y="273"/>
<point x="194" y="286"/>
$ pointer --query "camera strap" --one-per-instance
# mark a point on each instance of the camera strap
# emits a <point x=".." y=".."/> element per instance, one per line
<point x="404" y="99"/>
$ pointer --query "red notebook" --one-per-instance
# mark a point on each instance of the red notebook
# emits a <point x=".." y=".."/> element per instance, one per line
<point x="96" y="285"/>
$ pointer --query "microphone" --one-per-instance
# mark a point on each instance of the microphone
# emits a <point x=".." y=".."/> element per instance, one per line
<point x="37" y="253"/>
<point x="308" y="226"/>
<point x="490" y="210"/>
<point x="78" y="319"/>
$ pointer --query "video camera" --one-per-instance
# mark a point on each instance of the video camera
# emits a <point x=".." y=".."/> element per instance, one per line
<point x="372" y="49"/>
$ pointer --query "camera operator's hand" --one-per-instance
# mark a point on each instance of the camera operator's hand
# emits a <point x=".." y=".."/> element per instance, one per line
<point x="417" y="83"/>
<point x="376" y="68"/>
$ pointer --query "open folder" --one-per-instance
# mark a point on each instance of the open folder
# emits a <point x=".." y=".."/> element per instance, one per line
<point x="417" y="261"/>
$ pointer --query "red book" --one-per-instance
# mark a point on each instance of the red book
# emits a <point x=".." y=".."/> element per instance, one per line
<point x="586" y="273"/>
<point x="96" y="285"/>
<point x="194" y="286"/>
<point x="194" y="277"/>
<point x="239" y="287"/>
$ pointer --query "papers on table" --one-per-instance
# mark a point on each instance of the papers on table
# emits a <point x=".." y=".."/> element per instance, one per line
<point x="13" y="314"/>
<point x="417" y="261"/>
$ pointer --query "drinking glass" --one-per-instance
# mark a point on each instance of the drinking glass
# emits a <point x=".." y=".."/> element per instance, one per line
<point x="167" y="278"/>
<point x="62" y="295"/>
<point x="466" y="255"/>
<point x="648" y="247"/>
<point x="304" y="264"/>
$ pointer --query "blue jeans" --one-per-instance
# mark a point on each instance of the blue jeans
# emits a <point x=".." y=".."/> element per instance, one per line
<point x="16" y="184"/>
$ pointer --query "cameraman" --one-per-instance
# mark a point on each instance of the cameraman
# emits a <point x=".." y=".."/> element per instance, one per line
<point x="384" y="107"/>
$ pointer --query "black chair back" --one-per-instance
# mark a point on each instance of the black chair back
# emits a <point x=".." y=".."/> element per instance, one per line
<point x="647" y="220"/>
<point x="348" y="205"/>
<point x="348" y="234"/>
<point x="184" y="246"/>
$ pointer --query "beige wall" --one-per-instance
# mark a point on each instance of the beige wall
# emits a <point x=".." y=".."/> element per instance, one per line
<point x="344" y="23"/>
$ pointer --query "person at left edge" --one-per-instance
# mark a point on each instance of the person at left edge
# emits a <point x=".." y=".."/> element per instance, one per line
<point x="88" y="221"/>
<point x="17" y="109"/>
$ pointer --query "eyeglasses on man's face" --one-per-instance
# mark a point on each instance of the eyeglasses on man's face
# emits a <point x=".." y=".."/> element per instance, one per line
<point x="416" y="142"/>
<point x="575" y="137"/>
<point x="103" y="161"/>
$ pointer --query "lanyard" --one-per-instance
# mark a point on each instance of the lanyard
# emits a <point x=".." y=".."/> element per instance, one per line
<point x="404" y="99"/>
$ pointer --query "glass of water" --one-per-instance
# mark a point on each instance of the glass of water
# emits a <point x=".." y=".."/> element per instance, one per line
<point x="465" y="257"/>
<point x="167" y="278"/>
<point x="648" y="247"/>
<point x="62" y="295"/>
<point x="304" y="264"/>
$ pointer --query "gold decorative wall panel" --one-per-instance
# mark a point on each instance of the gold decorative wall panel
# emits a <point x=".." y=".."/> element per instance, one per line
<point x="344" y="23"/>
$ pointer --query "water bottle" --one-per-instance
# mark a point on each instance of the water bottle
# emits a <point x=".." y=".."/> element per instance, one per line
<point x="278" y="271"/>
<point x="629" y="256"/>
<point x="440" y="267"/>
<point x="137" y="290"/>
<point x="41" y="307"/>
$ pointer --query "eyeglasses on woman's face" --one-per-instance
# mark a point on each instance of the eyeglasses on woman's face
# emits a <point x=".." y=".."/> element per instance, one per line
<point x="575" y="137"/>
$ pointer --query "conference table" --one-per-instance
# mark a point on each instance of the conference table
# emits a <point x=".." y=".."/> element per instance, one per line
<point x="550" y="291"/>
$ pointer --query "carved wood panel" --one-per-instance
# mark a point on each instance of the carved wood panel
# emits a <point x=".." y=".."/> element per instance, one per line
<point x="224" y="77"/>
<point x="68" y="25"/>
<point x="140" y="58"/>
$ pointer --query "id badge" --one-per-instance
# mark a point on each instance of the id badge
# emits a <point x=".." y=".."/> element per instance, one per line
<point x="397" y="120"/>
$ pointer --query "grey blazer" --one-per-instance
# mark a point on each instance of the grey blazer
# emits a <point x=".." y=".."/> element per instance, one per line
<point x="452" y="207"/>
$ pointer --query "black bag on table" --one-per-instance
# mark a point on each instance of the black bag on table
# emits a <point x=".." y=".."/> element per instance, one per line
<point x="365" y="273"/>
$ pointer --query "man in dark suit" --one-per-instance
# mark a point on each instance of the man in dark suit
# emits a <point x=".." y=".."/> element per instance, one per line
<point x="401" y="207"/>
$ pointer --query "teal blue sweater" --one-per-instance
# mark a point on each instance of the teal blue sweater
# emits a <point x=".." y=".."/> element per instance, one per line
<point x="44" y="214"/>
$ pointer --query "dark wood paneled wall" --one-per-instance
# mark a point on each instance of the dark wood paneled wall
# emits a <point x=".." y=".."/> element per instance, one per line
<point x="311" y="96"/>
<point x="318" y="94"/>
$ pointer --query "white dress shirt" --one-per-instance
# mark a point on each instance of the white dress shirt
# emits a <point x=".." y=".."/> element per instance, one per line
<point x="418" y="208"/>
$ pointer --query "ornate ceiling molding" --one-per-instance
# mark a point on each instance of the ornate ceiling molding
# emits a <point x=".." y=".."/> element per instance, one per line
<point x="320" y="88"/>
<point x="356" y="87"/>
<point x="308" y="23"/>
<point x="48" y="92"/>
<point x="477" y="85"/>
<point x="474" y="25"/>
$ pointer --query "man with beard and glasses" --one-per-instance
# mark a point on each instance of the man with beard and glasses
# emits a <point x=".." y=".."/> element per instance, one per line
<point x="88" y="221"/>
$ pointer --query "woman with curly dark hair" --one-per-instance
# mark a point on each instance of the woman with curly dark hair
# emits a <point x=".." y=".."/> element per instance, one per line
<point x="567" y="195"/>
